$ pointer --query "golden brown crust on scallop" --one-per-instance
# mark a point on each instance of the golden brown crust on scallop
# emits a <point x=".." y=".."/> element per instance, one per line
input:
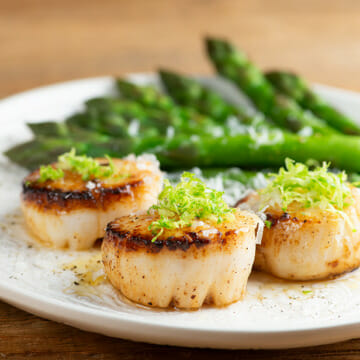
<point x="72" y="192"/>
<point x="132" y="233"/>
<point x="100" y="197"/>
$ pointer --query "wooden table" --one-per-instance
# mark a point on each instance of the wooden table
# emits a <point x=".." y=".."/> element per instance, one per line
<point x="43" y="42"/>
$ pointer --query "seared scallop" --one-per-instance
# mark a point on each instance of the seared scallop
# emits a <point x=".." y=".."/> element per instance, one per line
<point x="206" y="262"/>
<point x="72" y="212"/>
<point x="309" y="243"/>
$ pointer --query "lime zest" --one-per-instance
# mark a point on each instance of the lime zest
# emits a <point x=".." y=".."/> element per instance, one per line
<point x="268" y="224"/>
<point x="86" y="166"/>
<point x="50" y="173"/>
<point x="306" y="292"/>
<point x="178" y="206"/>
<point x="318" y="188"/>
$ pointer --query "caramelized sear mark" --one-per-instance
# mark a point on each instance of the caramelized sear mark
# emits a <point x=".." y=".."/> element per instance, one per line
<point x="135" y="241"/>
<point x="282" y="217"/>
<point x="334" y="264"/>
<point x="132" y="233"/>
<point x="50" y="198"/>
<point x="72" y="191"/>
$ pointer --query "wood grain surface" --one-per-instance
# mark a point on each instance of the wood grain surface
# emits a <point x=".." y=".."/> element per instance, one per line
<point x="43" y="42"/>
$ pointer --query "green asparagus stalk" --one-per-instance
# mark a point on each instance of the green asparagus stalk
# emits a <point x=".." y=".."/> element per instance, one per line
<point x="64" y="130"/>
<point x="145" y="95"/>
<point x="234" y="65"/>
<point x="120" y="118"/>
<point x="130" y="110"/>
<point x="115" y="118"/>
<point x="53" y="138"/>
<point x="34" y="153"/>
<point x="150" y="97"/>
<point x="127" y="118"/>
<point x="296" y="88"/>
<point x="181" y="151"/>
<point x="255" y="151"/>
<point x="49" y="128"/>
<point x="190" y="93"/>
<point x="188" y="120"/>
<point x="45" y="150"/>
<point x="248" y="151"/>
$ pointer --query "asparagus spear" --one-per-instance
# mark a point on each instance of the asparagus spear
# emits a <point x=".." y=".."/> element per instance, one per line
<point x="53" y="138"/>
<point x="295" y="87"/>
<point x="182" y="151"/>
<point x="114" y="118"/>
<point x="126" y="118"/>
<point x="189" y="120"/>
<point x="66" y="131"/>
<point x="144" y="95"/>
<point x="45" y="150"/>
<point x="49" y="128"/>
<point x="120" y="118"/>
<point x="249" y="152"/>
<point x="188" y="92"/>
<point x="189" y="113"/>
<point x="244" y="152"/>
<point x="234" y="65"/>
<point x="152" y="98"/>
<point x="130" y="110"/>
<point x="36" y="152"/>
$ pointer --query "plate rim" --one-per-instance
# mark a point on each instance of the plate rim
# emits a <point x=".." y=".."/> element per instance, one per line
<point x="163" y="334"/>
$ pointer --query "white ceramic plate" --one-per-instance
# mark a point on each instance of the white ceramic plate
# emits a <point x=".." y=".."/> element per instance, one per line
<point x="274" y="313"/>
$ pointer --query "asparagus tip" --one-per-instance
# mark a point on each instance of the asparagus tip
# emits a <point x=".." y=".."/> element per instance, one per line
<point x="214" y="45"/>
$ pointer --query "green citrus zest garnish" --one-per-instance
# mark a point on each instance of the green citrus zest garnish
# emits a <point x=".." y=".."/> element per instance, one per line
<point x="306" y="292"/>
<point x="86" y="166"/>
<point x="268" y="224"/>
<point x="50" y="173"/>
<point x="317" y="188"/>
<point x="178" y="206"/>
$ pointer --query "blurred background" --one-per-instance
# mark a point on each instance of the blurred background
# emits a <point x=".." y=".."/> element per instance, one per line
<point x="43" y="42"/>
